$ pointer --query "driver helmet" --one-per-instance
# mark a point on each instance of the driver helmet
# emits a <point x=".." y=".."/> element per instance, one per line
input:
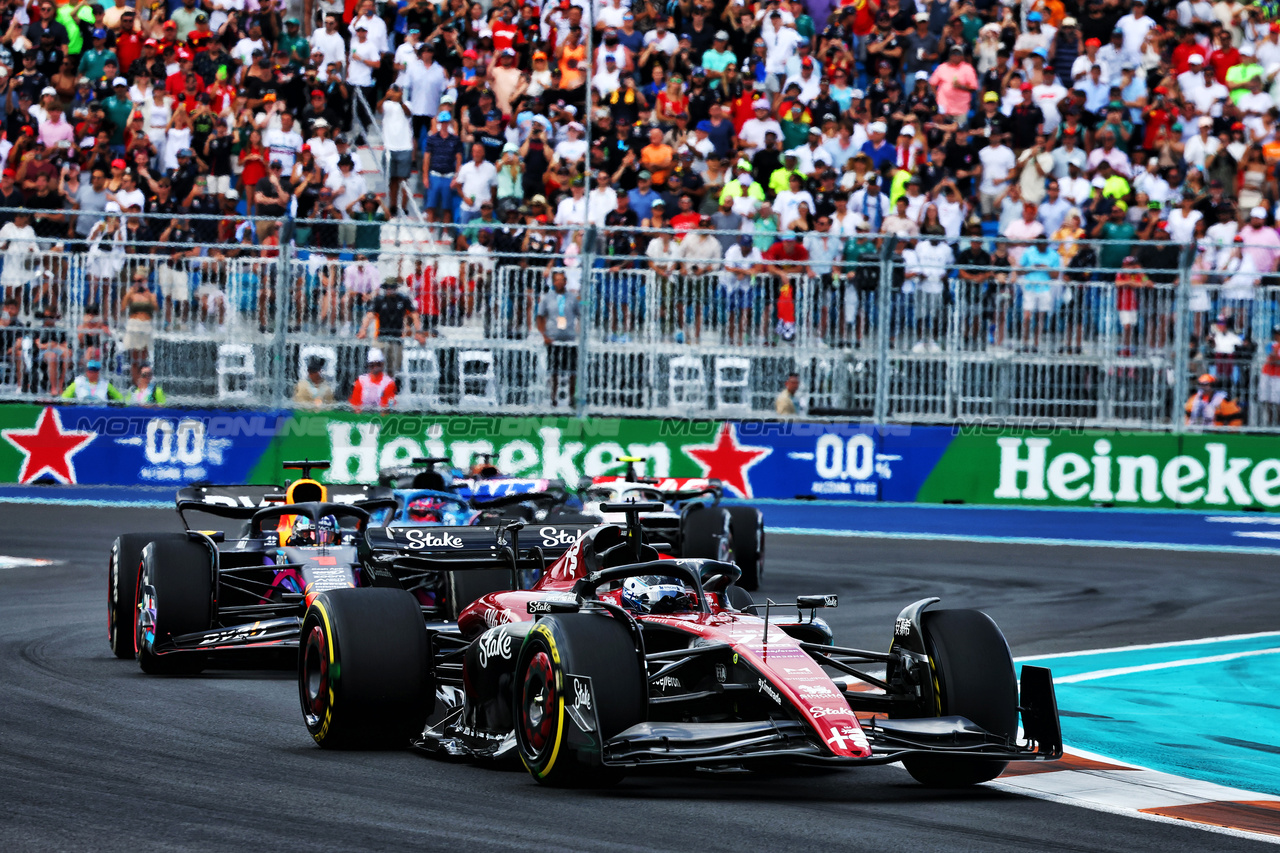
<point x="327" y="530"/>
<point x="655" y="594"/>
<point x="303" y="533"/>
<point x="426" y="509"/>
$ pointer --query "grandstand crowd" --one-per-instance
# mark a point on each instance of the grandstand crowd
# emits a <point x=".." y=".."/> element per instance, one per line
<point x="803" y="134"/>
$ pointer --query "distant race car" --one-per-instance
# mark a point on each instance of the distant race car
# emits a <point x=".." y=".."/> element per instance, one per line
<point x="691" y="523"/>
<point x="617" y="661"/>
<point x="179" y="602"/>
<point x="430" y="492"/>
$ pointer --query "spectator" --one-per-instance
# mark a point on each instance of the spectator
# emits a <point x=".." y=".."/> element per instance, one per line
<point x="1210" y="406"/>
<point x="139" y="307"/>
<point x="89" y="386"/>
<point x="786" y="404"/>
<point x="441" y="161"/>
<point x="146" y="392"/>
<point x="374" y="389"/>
<point x="21" y="254"/>
<point x="1040" y="270"/>
<point x="1269" y="381"/>
<point x="369" y="213"/>
<point x="395" y="317"/>
<point x="557" y="322"/>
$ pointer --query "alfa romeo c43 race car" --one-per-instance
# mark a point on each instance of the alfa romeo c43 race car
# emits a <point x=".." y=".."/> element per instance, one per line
<point x="617" y="660"/>
<point x="182" y="601"/>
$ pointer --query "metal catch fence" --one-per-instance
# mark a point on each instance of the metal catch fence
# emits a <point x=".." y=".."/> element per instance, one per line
<point x="889" y="335"/>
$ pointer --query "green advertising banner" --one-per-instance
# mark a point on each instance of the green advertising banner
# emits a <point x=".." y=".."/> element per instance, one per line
<point x="1200" y="471"/>
<point x="124" y="446"/>
<point x="358" y="446"/>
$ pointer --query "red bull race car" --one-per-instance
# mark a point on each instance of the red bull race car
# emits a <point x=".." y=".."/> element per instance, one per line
<point x="617" y="661"/>
<point x="183" y="601"/>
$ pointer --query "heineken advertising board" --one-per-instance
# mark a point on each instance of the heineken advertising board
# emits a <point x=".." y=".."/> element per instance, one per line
<point x="754" y="459"/>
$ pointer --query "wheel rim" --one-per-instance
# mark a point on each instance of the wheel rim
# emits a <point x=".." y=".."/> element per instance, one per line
<point x="315" y="669"/>
<point x="144" y="617"/>
<point x="113" y="583"/>
<point x="537" y="717"/>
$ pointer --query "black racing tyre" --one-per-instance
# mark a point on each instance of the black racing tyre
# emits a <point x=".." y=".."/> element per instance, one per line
<point x="122" y="587"/>
<point x="463" y="588"/>
<point x="707" y="534"/>
<point x="974" y="678"/>
<point x="599" y="647"/>
<point x="740" y="599"/>
<point x="175" y="597"/>
<point x="364" y="669"/>
<point x="747" y="525"/>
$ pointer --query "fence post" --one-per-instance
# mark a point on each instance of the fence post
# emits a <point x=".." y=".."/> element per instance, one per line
<point x="884" y="305"/>
<point x="1181" y="332"/>
<point x="587" y="261"/>
<point x="279" y="353"/>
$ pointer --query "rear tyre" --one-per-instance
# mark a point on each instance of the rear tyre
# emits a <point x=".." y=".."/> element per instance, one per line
<point x="175" y="597"/>
<point x="974" y="678"/>
<point x="599" y="647"/>
<point x="122" y="587"/>
<point x="747" y="525"/>
<point x="364" y="671"/>
<point x="707" y="534"/>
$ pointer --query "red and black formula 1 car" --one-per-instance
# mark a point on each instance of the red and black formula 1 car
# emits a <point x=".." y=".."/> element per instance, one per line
<point x="180" y="602"/>
<point x="617" y="660"/>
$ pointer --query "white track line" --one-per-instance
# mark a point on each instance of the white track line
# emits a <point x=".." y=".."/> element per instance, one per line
<point x="1226" y="638"/>
<point x="1128" y="785"/>
<point x="1152" y="667"/>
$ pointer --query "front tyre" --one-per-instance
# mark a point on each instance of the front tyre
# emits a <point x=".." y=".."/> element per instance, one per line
<point x="554" y="750"/>
<point x="974" y="678"/>
<point x="122" y="587"/>
<point x="175" y="597"/>
<point x="364" y="675"/>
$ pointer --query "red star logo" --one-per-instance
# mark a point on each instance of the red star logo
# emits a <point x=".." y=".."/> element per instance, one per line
<point x="727" y="460"/>
<point x="48" y="448"/>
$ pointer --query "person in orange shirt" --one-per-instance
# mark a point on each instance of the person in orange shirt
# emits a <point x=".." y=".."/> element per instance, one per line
<point x="569" y="57"/>
<point x="657" y="157"/>
<point x="374" y="390"/>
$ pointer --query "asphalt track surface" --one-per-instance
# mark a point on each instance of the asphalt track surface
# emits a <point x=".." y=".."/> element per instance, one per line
<point x="93" y="754"/>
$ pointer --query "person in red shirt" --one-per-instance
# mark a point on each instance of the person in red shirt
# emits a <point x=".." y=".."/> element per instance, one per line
<point x="687" y="218"/>
<point x="426" y="291"/>
<point x="128" y="42"/>
<point x="1160" y="115"/>
<point x="168" y="38"/>
<point x="1129" y="280"/>
<point x="183" y="81"/>
<point x="1183" y="52"/>
<point x="201" y="37"/>
<point x="375" y="389"/>
<point x="787" y="260"/>
<point x="1224" y="56"/>
<point x="505" y="34"/>
<point x="1269" y="382"/>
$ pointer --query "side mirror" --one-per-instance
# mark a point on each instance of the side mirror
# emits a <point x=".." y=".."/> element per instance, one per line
<point x="811" y="602"/>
